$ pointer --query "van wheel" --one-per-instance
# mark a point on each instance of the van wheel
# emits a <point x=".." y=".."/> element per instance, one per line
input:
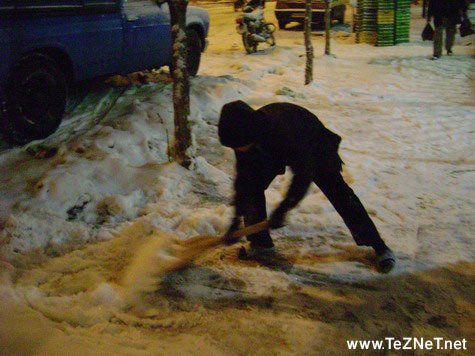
<point x="194" y="52"/>
<point x="35" y="99"/>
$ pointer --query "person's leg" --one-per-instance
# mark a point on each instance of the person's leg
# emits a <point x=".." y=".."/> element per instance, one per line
<point x="438" y="39"/>
<point x="255" y="212"/>
<point x="350" y="208"/>
<point x="449" y="37"/>
<point x="355" y="217"/>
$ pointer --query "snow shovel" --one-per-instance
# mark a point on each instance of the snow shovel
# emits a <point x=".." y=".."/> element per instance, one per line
<point x="186" y="251"/>
<point x="163" y="255"/>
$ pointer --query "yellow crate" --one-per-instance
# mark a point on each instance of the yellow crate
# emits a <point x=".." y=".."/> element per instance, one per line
<point x="385" y="17"/>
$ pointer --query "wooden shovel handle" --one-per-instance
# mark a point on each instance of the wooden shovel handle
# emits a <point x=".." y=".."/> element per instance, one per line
<point x="205" y="241"/>
<point x="251" y="229"/>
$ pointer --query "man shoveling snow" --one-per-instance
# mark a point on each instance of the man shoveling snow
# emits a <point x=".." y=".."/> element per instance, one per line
<point x="268" y="140"/>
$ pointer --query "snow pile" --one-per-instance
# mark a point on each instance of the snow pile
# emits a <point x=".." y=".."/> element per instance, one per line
<point x="106" y="176"/>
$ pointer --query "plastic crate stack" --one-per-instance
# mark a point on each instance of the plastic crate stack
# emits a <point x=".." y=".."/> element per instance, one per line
<point x="385" y="22"/>
<point x="402" y="21"/>
<point x="382" y="22"/>
<point x="358" y="20"/>
<point x="366" y="21"/>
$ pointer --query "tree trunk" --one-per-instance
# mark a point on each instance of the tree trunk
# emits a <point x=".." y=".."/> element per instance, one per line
<point x="327" y="27"/>
<point x="308" y="42"/>
<point x="181" y="82"/>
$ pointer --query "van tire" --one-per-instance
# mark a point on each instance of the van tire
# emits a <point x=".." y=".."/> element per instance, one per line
<point x="35" y="99"/>
<point x="194" y="48"/>
<point x="193" y="51"/>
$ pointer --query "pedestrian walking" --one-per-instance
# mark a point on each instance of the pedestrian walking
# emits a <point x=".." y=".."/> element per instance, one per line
<point x="446" y="14"/>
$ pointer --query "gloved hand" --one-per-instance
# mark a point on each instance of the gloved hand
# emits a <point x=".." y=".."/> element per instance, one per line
<point x="234" y="226"/>
<point x="277" y="218"/>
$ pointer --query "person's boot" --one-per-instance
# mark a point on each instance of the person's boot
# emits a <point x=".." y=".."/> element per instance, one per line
<point x="256" y="253"/>
<point x="385" y="260"/>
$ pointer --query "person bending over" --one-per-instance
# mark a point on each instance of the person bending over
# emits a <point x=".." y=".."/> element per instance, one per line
<point x="265" y="142"/>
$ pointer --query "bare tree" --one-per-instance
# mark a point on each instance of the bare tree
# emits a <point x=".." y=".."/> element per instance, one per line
<point x="181" y="81"/>
<point x="308" y="42"/>
<point x="327" y="27"/>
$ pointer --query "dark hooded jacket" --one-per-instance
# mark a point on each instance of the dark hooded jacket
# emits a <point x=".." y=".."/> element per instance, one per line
<point x="452" y="10"/>
<point x="285" y="135"/>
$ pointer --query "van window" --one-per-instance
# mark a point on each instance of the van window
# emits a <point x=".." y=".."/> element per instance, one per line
<point x="48" y="3"/>
<point x="5" y="4"/>
<point x="62" y="3"/>
<point x="100" y="2"/>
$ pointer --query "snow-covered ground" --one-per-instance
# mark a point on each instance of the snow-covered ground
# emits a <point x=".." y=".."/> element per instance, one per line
<point x="88" y="205"/>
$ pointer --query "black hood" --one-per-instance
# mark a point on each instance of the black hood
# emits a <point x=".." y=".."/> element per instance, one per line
<point x="238" y="124"/>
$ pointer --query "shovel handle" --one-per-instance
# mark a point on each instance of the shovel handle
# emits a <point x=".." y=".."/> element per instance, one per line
<point x="206" y="241"/>
<point x="251" y="229"/>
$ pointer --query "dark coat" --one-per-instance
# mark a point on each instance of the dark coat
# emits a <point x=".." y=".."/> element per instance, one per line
<point x="452" y="10"/>
<point x="287" y="135"/>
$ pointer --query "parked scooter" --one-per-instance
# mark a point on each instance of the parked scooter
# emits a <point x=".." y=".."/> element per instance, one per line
<point x="253" y="28"/>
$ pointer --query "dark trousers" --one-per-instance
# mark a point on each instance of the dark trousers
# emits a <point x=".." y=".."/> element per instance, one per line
<point x="450" y="29"/>
<point x="343" y="199"/>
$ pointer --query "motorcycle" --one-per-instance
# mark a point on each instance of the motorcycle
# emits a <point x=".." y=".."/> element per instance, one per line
<point x="254" y="30"/>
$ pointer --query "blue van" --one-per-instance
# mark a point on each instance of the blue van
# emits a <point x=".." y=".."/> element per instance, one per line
<point x="46" y="45"/>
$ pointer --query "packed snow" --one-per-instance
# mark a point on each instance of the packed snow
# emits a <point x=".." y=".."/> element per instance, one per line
<point x="86" y="213"/>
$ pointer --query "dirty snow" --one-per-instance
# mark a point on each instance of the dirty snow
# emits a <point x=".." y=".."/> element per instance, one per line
<point x="83" y="212"/>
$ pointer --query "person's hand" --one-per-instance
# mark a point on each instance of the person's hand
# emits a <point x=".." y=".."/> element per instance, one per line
<point x="277" y="218"/>
<point x="234" y="226"/>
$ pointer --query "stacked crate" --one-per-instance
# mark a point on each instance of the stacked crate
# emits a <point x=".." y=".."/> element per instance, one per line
<point x="385" y="23"/>
<point x="382" y="22"/>
<point x="402" y="21"/>
<point x="366" y="21"/>
<point x="358" y="20"/>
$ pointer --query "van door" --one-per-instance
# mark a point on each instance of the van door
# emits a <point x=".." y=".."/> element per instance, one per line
<point x="47" y="5"/>
<point x="90" y="33"/>
<point x="147" y="35"/>
<point x="6" y="5"/>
